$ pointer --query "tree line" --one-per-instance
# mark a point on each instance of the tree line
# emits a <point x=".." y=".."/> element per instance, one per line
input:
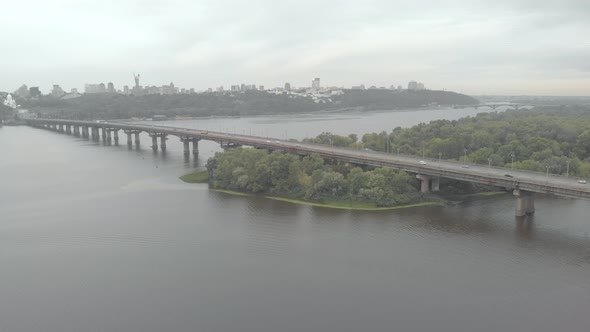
<point x="309" y="178"/>
<point x="556" y="139"/>
<point x="118" y="106"/>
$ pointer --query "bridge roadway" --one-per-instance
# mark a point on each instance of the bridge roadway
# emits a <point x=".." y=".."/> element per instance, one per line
<point x="522" y="182"/>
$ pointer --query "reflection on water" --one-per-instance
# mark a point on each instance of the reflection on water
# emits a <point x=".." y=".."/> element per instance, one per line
<point x="108" y="237"/>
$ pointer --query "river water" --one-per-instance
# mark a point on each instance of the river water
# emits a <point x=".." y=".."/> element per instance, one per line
<point x="103" y="238"/>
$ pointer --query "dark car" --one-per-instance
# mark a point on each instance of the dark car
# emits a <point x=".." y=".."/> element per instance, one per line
<point x="508" y="176"/>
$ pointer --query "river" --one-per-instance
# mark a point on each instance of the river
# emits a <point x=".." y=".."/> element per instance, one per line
<point x="106" y="238"/>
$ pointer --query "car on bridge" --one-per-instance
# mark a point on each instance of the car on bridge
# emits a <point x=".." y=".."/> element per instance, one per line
<point x="422" y="162"/>
<point x="582" y="181"/>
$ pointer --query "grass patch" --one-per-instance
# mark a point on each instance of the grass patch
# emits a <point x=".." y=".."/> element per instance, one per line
<point x="196" y="177"/>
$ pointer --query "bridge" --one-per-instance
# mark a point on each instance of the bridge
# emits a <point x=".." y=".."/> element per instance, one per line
<point x="428" y="171"/>
<point x="493" y="106"/>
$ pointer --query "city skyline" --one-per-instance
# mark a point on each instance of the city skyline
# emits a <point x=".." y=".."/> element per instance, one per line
<point x="476" y="47"/>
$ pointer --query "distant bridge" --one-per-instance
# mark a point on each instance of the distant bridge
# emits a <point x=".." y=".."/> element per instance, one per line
<point x="524" y="184"/>
<point x="494" y="106"/>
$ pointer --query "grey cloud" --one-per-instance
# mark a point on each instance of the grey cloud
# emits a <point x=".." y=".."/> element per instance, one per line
<point x="207" y="43"/>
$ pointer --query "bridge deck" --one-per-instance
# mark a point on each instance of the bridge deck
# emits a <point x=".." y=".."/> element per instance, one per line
<point x="529" y="181"/>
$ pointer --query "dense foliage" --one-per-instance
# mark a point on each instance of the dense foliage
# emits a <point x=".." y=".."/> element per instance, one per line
<point x="309" y="178"/>
<point x="117" y="106"/>
<point x="536" y="139"/>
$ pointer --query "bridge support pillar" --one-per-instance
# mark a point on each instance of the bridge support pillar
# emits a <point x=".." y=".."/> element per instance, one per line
<point x="186" y="141"/>
<point x="95" y="133"/>
<point x="116" y="135"/>
<point x="104" y="134"/>
<point x="163" y="138"/>
<point x="68" y="129"/>
<point x="196" y="146"/>
<point x="425" y="182"/>
<point x="525" y="202"/>
<point x="129" y="140"/>
<point x="154" y="141"/>
<point x="435" y="184"/>
<point x="137" y="138"/>
<point x="76" y="130"/>
<point x="107" y="133"/>
<point x="84" y="131"/>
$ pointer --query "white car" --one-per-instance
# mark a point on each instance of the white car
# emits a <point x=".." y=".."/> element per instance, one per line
<point x="422" y="162"/>
<point x="582" y="181"/>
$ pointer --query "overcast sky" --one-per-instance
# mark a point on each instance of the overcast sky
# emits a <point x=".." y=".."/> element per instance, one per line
<point x="531" y="47"/>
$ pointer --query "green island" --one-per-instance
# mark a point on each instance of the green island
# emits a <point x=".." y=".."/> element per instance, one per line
<point x="310" y="180"/>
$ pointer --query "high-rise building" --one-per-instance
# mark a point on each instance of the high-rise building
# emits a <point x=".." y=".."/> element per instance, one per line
<point x="420" y="86"/>
<point x="287" y="86"/>
<point x="315" y="84"/>
<point x="412" y="85"/>
<point x="111" y="87"/>
<point x="261" y="87"/>
<point x="126" y="89"/>
<point x="57" y="91"/>
<point x="34" y="92"/>
<point x="168" y="89"/>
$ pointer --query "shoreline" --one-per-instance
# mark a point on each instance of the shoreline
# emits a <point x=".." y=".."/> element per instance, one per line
<point x="342" y="110"/>
<point x="333" y="205"/>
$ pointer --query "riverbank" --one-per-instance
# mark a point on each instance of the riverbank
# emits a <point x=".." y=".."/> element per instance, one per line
<point x="343" y="205"/>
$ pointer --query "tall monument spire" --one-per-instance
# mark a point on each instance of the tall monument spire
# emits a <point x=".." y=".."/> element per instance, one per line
<point x="136" y="77"/>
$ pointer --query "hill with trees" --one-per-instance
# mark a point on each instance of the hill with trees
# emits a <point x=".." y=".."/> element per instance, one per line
<point x="118" y="106"/>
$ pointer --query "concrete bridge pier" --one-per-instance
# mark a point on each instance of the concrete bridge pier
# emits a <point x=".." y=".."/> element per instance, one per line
<point x="186" y="141"/>
<point x="84" y="131"/>
<point x="435" y="184"/>
<point x="95" y="133"/>
<point x="137" y="138"/>
<point x="428" y="183"/>
<point x="116" y="135"/>
<point x="196" y="146"/>
<point x="163" y="138"/>
<point x="107" y="135"/>
<point x="76" y="130"/>
<point x="68" y="129"/>
<point x="129" y="140"/>
<point x="104" y="134"/>
<point x="154" y="141"/>
<point x="525" y="202"/>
